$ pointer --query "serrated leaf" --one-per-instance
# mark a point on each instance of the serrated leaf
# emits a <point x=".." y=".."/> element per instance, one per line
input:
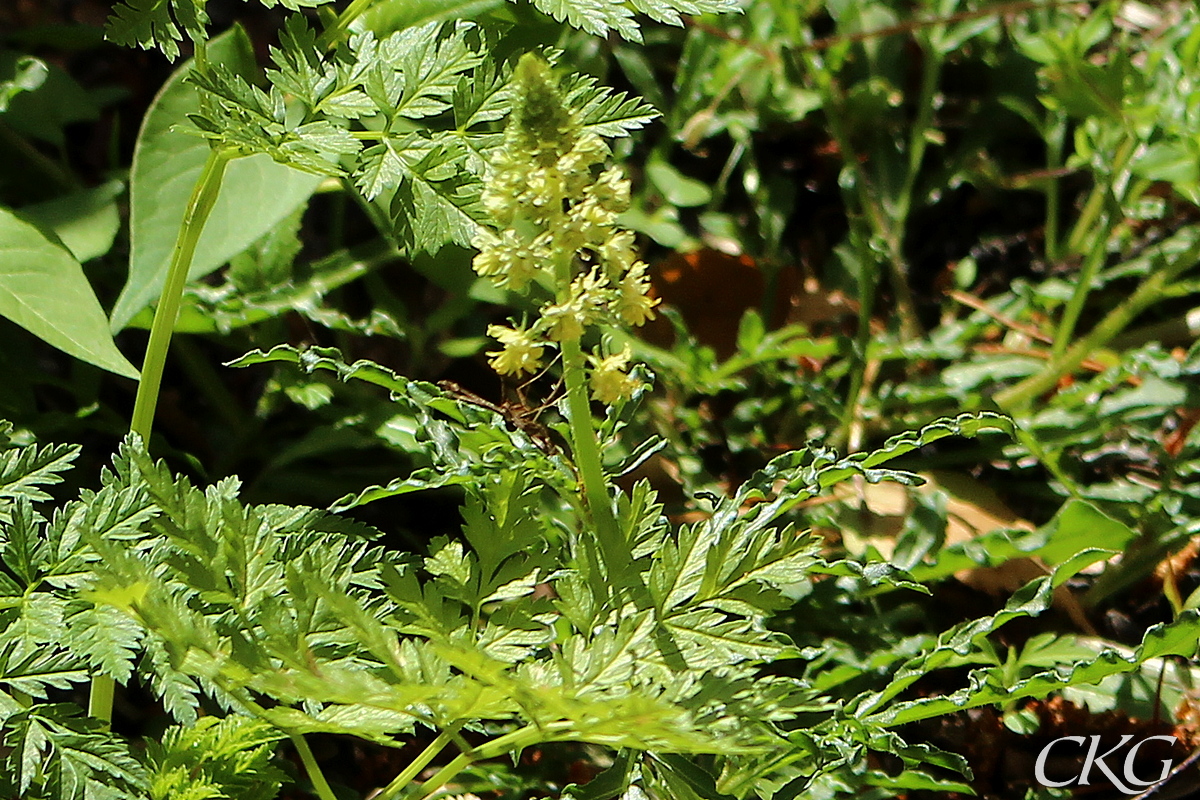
<point x="60" y="754"/>
<point x="150" y="24"/>
<point x="35" y="672"/>
<point x="604" y="112"/>
<point x="380" y="168"/>
<point x="1178" y="638"/>
<point x="1031" y="600"/>
<point x="431" y="58"/>
<point x="214" y="759"/>
<point x="596" y="17"/>
<point x="107" y="639"/>
<point x="24" y="469"/>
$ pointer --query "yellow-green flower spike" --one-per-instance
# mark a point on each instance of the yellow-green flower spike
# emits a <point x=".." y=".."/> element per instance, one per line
<point x="554" y="206"/>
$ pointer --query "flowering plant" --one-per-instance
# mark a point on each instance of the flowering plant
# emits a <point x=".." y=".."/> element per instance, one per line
<point x="558" y="235"/>
<point x="569" y="610"/>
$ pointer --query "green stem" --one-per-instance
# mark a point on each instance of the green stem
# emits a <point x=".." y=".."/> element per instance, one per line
<point x="100" y="699"/>
<point x="1095" y="203"/>
<point x="518" y="739"/>
<point x="204" y="197"/>
<point x="419" y="763"/>
<point x="1083" y="287"/>
<point x="1150" y="290"/>
<point x="312" y="768"/>
<point x="1055" y="142"/>
<point x="334" y="33"/>
<point x="585" y="449"/>
<point x="587" y="459"/>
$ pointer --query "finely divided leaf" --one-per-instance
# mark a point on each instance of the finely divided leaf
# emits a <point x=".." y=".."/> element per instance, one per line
<point x="596" y="17"/>
<point x="605" y="112"/>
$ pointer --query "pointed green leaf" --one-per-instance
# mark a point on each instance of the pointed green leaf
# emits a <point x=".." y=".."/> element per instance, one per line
<point x="43" y="289"/>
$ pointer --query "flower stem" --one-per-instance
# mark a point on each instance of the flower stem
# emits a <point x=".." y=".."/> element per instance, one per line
<point x="587" y="459"/>
<point x="419" y="763"/>
<point x="100" y="700"/>
<point x="509" y="742"/>
<point x="312" y="768"/>
<point x="204" y="197"/>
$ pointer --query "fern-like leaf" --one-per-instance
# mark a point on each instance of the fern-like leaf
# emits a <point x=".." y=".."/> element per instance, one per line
<point x="214" y="759"/>
<point x="24" y="469"/>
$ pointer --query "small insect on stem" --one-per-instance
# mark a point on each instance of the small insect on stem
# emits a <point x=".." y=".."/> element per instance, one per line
<point x="516" y="415"/>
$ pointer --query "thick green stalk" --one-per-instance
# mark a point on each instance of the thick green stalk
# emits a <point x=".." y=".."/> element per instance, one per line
<point x="585" y="449"/>
<point x="1149" y="291"/>
<point x="204" y="197"/>
<point x="587" y="459"/>
<point x="100" y="699"/>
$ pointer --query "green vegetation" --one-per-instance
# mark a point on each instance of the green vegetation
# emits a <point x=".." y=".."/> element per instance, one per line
<point x="595" y="398"/>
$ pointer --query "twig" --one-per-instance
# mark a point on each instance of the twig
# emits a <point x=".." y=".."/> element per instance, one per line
<point x="971" y="301"/>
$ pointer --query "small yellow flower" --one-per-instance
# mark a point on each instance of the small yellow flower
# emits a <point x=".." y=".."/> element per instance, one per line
<point x="564" y="320"/>
<point x="617" y="253"/>
<point x="489" y="261"/>
<point x="589" y="296"/>
<point x="544" y="190"/>
<point x="521" y="353"/>
<point x="508" y="261"/>
<point x="594" y="220"/>
<point x="587" y="151"/>
<point x="570" y="235"/>
<point x="609" y="381"/>
<point x="634" y="305"/>
<point x="612" y="190"/>
<point x="500" y="203"/>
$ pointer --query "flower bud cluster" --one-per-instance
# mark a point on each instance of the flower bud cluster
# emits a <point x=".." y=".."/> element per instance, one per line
<point x="555" y="208"/>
